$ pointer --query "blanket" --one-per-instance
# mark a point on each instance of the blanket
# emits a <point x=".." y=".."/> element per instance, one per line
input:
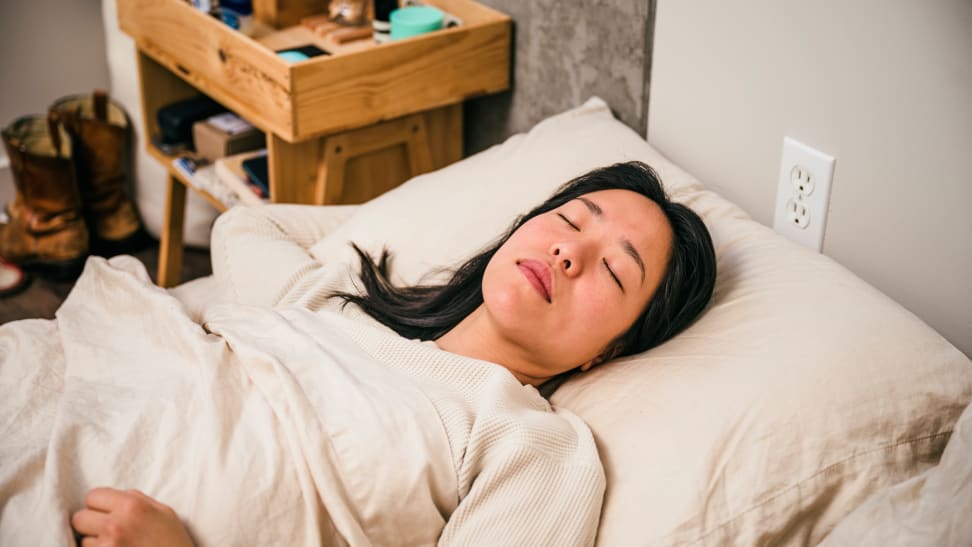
<point x="268" y="426"/>
<point x="236" y="425"/>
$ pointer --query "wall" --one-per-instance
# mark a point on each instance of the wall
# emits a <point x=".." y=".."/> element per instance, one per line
<point x="883" y="85"/>
<point x="50" y="49"/>
<point x="565" y="51"/>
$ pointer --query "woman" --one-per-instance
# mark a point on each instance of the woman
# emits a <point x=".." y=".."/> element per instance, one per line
<point x="606" y="267"/>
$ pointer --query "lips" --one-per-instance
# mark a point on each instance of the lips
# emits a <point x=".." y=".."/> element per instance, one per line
<point x="538" y="274"/>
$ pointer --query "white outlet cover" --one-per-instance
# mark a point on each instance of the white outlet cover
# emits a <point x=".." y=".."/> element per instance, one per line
<point x="816" y="169"/>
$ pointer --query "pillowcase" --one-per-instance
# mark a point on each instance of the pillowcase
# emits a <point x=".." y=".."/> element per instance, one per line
<point x="800" y="391"/>
<point x="439" y="219"/>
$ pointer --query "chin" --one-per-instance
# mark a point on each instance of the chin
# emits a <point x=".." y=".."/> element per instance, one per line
<point x="507" y="308"/>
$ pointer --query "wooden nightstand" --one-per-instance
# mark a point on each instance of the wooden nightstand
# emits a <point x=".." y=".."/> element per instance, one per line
<point x="341" y="128"/>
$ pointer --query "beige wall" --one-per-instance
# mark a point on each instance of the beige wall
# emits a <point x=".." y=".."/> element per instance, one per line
<point x="883" y="85"/>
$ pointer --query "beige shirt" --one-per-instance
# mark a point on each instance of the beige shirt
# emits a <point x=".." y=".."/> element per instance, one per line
<point x="525" y="473"/>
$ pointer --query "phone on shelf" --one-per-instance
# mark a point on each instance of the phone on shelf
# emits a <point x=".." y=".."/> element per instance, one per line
<point x="256" y="170"/>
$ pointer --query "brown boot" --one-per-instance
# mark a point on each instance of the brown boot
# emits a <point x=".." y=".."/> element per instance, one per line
<point x="43" y="227"/>
<point x="99" y="128"/>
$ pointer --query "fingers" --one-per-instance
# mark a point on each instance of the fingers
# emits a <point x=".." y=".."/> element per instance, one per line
<point x="89" y="522"/>
<point x="109" y="512"/>
<point x="105" y="499"/>
<point x="111" y="499"/>
<point x="128" y="517"/>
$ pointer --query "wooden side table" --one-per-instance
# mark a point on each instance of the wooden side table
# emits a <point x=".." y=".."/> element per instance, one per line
<point x="341" y="128"/>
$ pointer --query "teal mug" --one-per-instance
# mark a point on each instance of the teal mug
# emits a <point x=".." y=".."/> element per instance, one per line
<point x="415" y="20"/>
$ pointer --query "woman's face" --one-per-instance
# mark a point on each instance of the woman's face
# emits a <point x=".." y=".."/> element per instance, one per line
<point x="570" y="281"/>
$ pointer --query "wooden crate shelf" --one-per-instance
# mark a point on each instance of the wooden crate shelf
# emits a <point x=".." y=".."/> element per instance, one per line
<point x="325" y="94"/>
<point x="341" y="128"/>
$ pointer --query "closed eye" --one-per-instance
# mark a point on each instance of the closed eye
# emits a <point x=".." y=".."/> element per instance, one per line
<point x="567" y="220"/>
<point x="610" y="271"/>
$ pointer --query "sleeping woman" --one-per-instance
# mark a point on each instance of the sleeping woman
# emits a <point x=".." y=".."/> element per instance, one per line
<point x="263" y="423"/>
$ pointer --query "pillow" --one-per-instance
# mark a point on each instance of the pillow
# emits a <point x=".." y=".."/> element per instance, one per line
<point x="441" y="218"/>
<point x="800" y="390"/>
<point x="932" y="508"/>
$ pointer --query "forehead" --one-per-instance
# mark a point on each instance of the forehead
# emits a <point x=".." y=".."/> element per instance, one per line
<point x="628" y="209"/>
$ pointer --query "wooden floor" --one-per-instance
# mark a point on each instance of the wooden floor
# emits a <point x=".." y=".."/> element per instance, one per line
<point x="42" y="298"/>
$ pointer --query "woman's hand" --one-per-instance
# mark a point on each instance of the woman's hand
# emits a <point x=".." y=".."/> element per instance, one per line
<point x="127" y="518"/>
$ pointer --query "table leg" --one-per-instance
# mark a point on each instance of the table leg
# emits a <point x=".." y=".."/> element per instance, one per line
<point x="170" y="242"/>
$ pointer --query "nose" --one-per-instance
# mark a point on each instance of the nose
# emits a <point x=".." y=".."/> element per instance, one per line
<point x="568" y="257"/>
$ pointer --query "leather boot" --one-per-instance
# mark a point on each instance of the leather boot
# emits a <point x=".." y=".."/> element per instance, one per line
<point x="100" y="130"/>
<point x="43" y="227"/>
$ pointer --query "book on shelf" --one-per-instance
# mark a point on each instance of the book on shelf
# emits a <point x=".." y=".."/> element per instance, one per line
<point x="201" y="175"/>
<point x="222" y="184"/>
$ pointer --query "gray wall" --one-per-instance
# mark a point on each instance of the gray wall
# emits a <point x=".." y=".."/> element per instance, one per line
<point x="49" y="49"/>
<point x="565" y="51"/>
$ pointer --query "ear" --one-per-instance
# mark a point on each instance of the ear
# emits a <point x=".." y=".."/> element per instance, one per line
<point x="609" y="353"/>
<point x="590" y="364"/>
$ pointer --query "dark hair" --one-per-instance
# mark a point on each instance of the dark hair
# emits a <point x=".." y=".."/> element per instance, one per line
<point x="427" y="312"/>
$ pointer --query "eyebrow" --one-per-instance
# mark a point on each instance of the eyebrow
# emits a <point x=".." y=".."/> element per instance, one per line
<point x="596" y="210"/>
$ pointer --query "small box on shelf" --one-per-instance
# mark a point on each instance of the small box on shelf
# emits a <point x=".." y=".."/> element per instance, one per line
<point x="224" y="135"/>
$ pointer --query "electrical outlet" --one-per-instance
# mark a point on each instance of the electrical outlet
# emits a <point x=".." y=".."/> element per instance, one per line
<point x="803" y="194"/>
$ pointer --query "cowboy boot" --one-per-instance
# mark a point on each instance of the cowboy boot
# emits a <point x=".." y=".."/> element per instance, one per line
<point x="43" y="228"/>
<point x="99" y="128"/>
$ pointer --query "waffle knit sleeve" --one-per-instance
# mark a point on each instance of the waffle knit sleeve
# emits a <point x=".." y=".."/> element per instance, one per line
<point x="260" y="254"/>
<point x="531" y="494"/>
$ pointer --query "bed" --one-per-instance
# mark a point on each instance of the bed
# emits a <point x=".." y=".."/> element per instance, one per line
<point x="803" y="407"/>
<point x="801" y="394"/>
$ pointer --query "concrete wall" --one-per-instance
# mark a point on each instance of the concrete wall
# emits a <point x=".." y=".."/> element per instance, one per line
<point x="565" y="51"/>
<point x="885" y="86"/>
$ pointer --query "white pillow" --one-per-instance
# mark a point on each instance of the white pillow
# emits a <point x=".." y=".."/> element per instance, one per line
<point x="800" y="391"/>
<point x="441" y="218"/>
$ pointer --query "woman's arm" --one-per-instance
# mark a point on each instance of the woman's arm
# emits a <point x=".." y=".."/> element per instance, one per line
<point x="128" y="518"/>
<point x="259" y="254"/>
<point x="527" y="497"/>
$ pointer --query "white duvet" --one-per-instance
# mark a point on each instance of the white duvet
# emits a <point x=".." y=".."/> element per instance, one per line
<point x="249" y="426"/>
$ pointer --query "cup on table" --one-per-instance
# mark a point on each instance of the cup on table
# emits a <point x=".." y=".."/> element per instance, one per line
<point x="415" y="20"/>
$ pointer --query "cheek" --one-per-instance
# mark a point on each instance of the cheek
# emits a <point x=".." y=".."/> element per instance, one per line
<point x="597" y="307"/>
<point x="605" y="313"/>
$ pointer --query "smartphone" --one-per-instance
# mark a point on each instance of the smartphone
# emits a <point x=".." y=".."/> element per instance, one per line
<point x="256" y="170"/>
<point x="310" y="50"/>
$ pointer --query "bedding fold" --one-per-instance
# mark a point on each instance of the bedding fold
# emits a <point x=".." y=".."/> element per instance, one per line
<point x="267" y="426"/>
<point x="125" y="390"/>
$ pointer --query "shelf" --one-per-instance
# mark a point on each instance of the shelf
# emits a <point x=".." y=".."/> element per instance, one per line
<point x="340" y="128"/>
<point x="325" y="94"/>
<point x="166" y="160"/>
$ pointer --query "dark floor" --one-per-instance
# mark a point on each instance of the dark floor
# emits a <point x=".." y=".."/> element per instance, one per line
<point x="42" y="298"/>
